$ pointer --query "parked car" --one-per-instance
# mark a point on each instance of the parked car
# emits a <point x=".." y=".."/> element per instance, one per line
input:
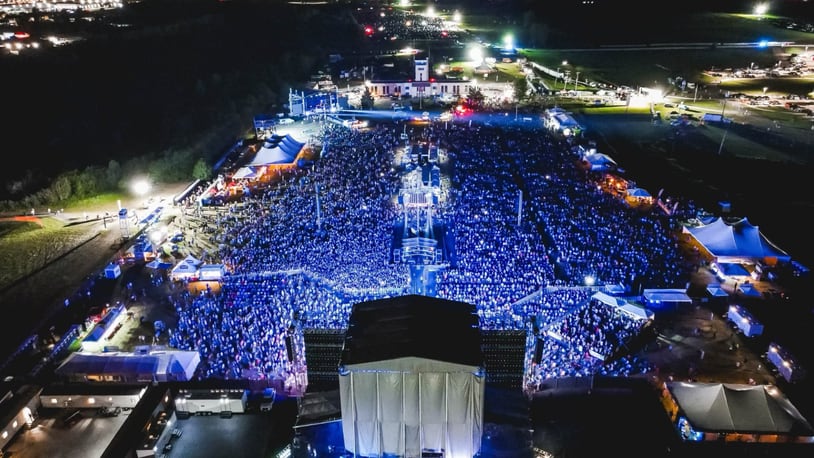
<point x="110" y="412"/>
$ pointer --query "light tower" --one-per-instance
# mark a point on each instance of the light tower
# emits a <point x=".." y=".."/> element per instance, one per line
<point x="124" y="226"/>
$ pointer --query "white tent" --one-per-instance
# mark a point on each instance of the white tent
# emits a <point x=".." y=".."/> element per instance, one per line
<point x="188" y="268"/>
<point x="736" y="241"/>
<point x="760" y="410"/>
<point x="624" y="306"/>
<point x="716" y="290"/>
<point x="599" y="161"/>
<point x="211" y="272"/>
<point x="277" y="150"/>
<point x="269" y="156"/>
<point x="638" y="193"/>
<point x="666" y="298"/>
<point x="749" y="289"/>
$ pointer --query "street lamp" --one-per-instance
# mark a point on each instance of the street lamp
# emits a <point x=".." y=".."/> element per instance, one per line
<point x="576" y="81"/>
<point x="761" y="9"/>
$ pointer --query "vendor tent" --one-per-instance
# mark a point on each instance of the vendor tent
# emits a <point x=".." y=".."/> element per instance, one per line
<point x="638" y="193"/>
<point x="157" y="264"/>
<point x="185" y="269"/>
<point x="599" y="162"/>
<point x="211" y="272"/>
<point x="624" y="306"/>
<point x="736" y="241"/>
<point x="748" y="289"/>
<point x="716" y="293"/>
<point x="665" y="299"/>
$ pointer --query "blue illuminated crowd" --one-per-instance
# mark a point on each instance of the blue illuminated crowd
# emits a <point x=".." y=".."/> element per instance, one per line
<point x="529" y="225"/>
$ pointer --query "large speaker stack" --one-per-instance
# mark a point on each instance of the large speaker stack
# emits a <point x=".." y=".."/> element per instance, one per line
<point x="323" y="348"/>
<point x="504" y="353"/>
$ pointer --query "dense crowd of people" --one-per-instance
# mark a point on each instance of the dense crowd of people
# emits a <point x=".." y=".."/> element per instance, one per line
<point x="528" y="226"/>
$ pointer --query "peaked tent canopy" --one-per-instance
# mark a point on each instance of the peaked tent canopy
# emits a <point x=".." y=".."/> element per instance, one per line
<point x="277" y="150"/>
<point x="638" y="192"/>
<point x="186" y="268"/>
<point x="735" y="408"/>
<point x="716" y="290"/>
<point x="749" y="289"/>
<point x="740" y="240"/>
<point x="599" y="161"/>
<point x="271" y="156"/>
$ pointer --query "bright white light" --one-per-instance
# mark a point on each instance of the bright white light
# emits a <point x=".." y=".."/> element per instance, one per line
<point x="404" y="3"/>
<point x="430" y="12"/>
<point x="761" y="8"/>
<point x="456" y="16"/>
<point x="476" y="55"/>
<point x="589" y="280"/>
<point x="141" y="187"/>
<point x="508" y="42"/>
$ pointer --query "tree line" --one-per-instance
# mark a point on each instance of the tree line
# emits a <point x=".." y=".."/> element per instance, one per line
<point x="161" y="89"/>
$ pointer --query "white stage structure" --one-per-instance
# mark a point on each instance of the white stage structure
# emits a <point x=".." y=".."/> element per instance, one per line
<point x="411" y="378"/>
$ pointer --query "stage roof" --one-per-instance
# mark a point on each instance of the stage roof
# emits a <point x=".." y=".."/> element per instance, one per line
<point x="413" y="326"/>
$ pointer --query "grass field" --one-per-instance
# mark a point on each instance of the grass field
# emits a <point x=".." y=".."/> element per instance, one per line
<point x="28" y="245"/>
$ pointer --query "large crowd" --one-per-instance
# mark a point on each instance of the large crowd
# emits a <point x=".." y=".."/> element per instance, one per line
<point x="528" y="226"/>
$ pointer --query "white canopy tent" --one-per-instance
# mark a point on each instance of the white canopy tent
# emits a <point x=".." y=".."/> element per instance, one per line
<point x="665" y="298"/>
<point x="761" y="411"/>
<point x="624" y="306"/>
<point x="737" y="241"/>
<point x="186" y="269"/>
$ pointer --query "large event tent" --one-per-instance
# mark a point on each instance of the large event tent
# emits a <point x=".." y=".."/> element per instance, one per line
<point x="738" y="241"/>
<point x="411" y="378"/>
<point x="276" y="150"/>
<point x="752" y="413"/>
